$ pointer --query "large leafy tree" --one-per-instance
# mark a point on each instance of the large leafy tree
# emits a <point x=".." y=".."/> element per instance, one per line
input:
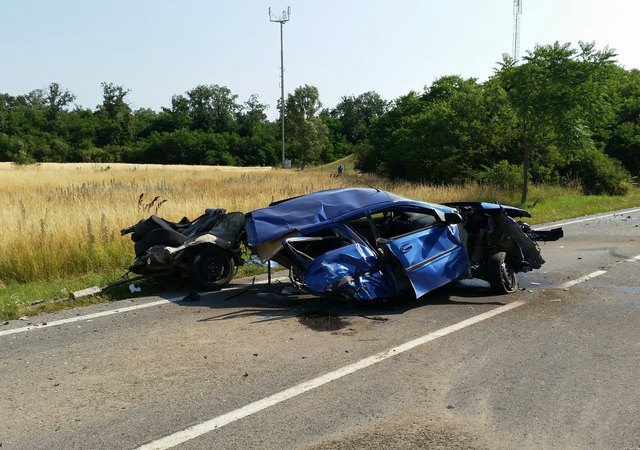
<point x="558" y="94"/>
<point x="380" y="155"/>
<point x="251" y="116"/>
<point x="114" y="117"/>
<point x="56" y="98"/>
<point x="213" y="108"/>
<point x="356" y="114"/>
<point x="307" y="134"/>
<point x="624" y="143"/>
<point x="446" y="135"/>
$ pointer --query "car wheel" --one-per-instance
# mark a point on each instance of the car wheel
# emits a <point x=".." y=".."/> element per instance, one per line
<point x="211" y="268"/>
<point x="500" y="275"/>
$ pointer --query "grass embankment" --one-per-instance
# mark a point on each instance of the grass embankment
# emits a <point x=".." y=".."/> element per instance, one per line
<point x="60" y="222"/>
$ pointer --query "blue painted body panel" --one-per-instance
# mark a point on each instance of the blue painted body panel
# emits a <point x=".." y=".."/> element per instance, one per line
<point x="431" y="256"/>
<point x="353" y="269"/>
<point x="302" y="214"/>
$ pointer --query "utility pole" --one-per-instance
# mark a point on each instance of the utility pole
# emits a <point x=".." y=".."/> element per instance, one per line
<point x="517" y="11"/>
<point x="284" y="17"/>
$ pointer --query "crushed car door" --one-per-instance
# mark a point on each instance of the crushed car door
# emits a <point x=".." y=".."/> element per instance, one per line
<point x="431" y="255"/>
<point x="331" y="262"/>
<point x="352" y="271"/>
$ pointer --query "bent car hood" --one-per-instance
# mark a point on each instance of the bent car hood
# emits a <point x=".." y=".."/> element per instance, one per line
<point x="299" y="213"/>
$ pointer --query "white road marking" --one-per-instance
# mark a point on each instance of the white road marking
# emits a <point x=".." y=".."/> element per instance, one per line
<point x="85" y="317"/>
<point x="634" y="259"/>
<point x="568" y="284"/>
<point x="588" y="219"/>
<point x="217" y="422"/>
<point x="597" y="273"/>
<point x="55" y="323"/>
<point x="252" y="408"/>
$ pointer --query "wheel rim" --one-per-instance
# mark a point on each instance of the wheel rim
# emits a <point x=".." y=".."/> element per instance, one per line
<point x="508" y="277"/>
<point x="212" y="269"/>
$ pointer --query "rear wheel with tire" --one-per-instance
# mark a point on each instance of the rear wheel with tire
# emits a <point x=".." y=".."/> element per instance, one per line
<point x="211" y="268"/>
<point x="500" y="275"/>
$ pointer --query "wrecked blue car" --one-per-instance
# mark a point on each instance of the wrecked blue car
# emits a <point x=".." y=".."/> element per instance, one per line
<point x="360" y="243"/>
<point x="367" y="244"/>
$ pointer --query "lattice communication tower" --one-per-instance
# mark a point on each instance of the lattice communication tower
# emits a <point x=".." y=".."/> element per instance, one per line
<point x="517" y="11"/>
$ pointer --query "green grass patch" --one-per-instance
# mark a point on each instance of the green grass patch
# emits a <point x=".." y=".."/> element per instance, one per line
<point x="35" y="297"/>
<point x="347" y="162"/>
<point x="552" y="203"/>
<point x="560" y="206"/>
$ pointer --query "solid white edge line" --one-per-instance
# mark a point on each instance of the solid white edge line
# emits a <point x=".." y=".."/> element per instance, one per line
<point x="252" y="408"/>
<point x="86" y="317"/>
<point x="115" y="311"/>
<point x="588" y="219"/>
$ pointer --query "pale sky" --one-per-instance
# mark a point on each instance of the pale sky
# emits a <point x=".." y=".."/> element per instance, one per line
<point x="159" y="48"/>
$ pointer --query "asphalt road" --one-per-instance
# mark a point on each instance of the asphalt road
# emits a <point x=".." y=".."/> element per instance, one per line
<point x="554" y="365"/>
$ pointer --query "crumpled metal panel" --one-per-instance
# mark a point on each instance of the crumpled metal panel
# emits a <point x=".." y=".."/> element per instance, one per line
<point x="352" y="270"/>
<point x="530" y="252"/>
<point x="300" y="213"/>
<point x="431" y="258"/>
<point x="511" y="211"/>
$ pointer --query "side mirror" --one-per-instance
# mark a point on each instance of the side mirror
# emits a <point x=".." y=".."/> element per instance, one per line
<point x="452" y="218"/>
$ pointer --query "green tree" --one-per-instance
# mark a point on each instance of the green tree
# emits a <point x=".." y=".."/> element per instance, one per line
<point x="624" y="142"/>
<point x="114" y="117"/>
<point x="356" y="114"/>
<point x="307" y="134"/>
<point x="213" y="108"/>
<point x="445" y="135"/>
<point x="251" y="116"/>
<point x="338" y="146"/>
<point x="56" y="100"/>
<point x="379" y="157"/>
<point x="557" y="92"/>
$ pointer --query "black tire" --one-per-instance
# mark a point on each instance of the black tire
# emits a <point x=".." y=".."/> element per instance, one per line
<point x="500" y="275"/>
<point x="211" y="268"/>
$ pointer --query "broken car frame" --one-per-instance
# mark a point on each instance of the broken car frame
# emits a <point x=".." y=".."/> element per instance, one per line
<point x="358" y="243"/>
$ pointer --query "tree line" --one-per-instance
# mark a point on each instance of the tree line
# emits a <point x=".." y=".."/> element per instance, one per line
<point x="206" y="125"/>
<point x="560" y="114"/>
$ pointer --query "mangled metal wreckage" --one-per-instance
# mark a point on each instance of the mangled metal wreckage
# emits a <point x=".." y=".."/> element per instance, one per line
<point x="359" y="243"/>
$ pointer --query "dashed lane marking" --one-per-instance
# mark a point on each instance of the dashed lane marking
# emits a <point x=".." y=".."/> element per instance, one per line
<point x="634" y="259"/>
<point x="252" y="408"/>
<point x="568" y="284"/>
<point x="217" y="422"/>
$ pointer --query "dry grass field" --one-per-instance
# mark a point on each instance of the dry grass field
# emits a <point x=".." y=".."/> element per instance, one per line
<point x="60" y="223"/>
<point x="61" y="220"/>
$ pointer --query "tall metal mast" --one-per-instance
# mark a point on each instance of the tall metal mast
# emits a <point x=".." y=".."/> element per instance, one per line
<point x="284" y="17"/>
<point x="517" y="11"/>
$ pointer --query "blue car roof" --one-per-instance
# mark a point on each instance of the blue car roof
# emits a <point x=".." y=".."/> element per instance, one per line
<point x="314" y="209"/>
